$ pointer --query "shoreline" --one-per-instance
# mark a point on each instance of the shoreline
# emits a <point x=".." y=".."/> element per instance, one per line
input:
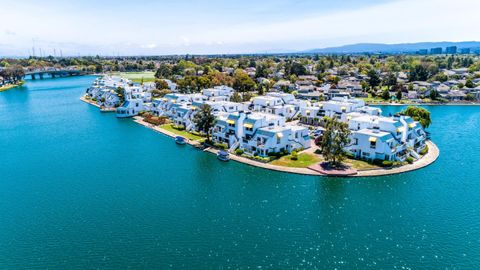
<point x="89" y="102"/>
<point x="11" y="86"/>
<point x="424" y="161"/>
<point x="102" y="109"/>
<point x="423" y="104"/>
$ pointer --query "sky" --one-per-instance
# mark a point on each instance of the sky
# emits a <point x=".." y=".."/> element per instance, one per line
<point x="147" y="27"/>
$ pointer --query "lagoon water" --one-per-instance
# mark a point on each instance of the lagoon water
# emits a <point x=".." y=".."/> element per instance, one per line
<point x="80" y="189"/>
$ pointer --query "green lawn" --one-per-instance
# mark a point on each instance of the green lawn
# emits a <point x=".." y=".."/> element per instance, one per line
<point x="147" y="76"/>
<point x="371" y="99"/>
<point x="360" y="164"/>
<point x="183" y="133"/>
<point x="304" y="160"/>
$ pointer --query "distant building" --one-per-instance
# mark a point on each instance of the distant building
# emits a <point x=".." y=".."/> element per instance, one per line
<point x="423" y="52"/>
<point x="465" y="51"/>
<point x="451" y="50"/>
<point x="436" y="50"/>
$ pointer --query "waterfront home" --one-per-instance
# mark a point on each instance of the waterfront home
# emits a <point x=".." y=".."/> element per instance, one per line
<point x="389" y="138"/>
<point x="162" y="106"/>
<point x="259" y="133"/>
<point x="372" y="144"/>
<point x="454" y="95"/>
<point x="267" y="140"/>
<point x="181" y="114"/>
<point x="109" y="99"/>
<point x="94" y="92"/>
<point x="129" y="108"/>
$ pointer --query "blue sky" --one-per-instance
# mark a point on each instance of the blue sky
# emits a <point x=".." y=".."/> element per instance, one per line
<point x="148" y="27"/>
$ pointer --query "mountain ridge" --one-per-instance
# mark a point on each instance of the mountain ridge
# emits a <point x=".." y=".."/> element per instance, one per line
<point x="393" y="48"/>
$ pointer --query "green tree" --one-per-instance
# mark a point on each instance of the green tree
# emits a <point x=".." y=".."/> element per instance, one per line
<point x="334" y="140"/>
<point x="161" y="84"/>
<point x="261" y="70"/>
<point x="399" y="94"/>
<point x="202" y="82"/>
<point x="243" y="82"/>
<point x="205" y="120"/>
<point x="374" y="79"/>
<point x="390" y="79"/>
<point x="386" y="94"/>
<point x="295" y="68"/>
<point x="419" y="114"/>
<point x="164" y="71"/>
<point x="434" y="94"/>
<point x="419" y="73"/>
<point x="469" y="83"/>
<point x="470" y="97"/>
<point x="236" y="97"/>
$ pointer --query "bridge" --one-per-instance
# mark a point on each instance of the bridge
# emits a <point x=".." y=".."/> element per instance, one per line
<point x="54" y="73"/>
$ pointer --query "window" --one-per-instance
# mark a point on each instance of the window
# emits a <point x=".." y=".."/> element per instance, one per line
<point x="373" y="145"/>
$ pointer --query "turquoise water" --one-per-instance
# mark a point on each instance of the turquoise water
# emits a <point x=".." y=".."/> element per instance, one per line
<point x="80" y="189"/>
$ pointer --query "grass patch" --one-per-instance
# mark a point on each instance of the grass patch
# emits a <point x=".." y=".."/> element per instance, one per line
<point x="183" y="133"/>
<point x="361" y="165"/>
<point x="147" y="76"/>
<point x="304" y="160"/>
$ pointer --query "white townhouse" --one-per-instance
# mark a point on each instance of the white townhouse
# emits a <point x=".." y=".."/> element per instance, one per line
<point x="259" y="133"/>
<point x="181" y="114"/>
<point x="109" y="99"/>
<point x="280" y="104"/>
<point x="263" y="103"/>
<point x="130" y="107"/>
<point x="218" y="91"/>
<point x="161" y="107"/>
<point x="375" y="144"/>
<point x="390" y="138"/>
<point x="337" y="107"/>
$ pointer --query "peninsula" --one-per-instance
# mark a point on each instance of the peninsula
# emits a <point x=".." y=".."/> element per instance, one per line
<point x="276" y="130"/>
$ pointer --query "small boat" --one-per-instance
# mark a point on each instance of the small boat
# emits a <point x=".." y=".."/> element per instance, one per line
<point x="180" y="140"/>
<point x="223" y="155"/>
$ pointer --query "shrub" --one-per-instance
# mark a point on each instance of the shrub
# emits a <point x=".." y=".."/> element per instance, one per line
<point x="294" y="155"/>
<point x="239" y="152"/>
<point x="378" y="162"/>
<point x="410" y="160"/>
<point x="318" y="152"/>
<point x="424" y="150"/>
<point x="196" y="133"/>
<point x="387" y="163"/>
<point x="261" y="159"/>
<point x="222" y="146"/>
<point x="179" y="127"/>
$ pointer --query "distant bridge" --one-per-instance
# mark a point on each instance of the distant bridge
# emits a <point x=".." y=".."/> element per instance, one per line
<point x="54" y="73"/>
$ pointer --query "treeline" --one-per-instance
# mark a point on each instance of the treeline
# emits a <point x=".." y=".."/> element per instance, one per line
<point x="11" y="74"/>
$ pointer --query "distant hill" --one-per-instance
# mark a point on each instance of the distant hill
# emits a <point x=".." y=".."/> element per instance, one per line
<point x="393" y="48"/>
